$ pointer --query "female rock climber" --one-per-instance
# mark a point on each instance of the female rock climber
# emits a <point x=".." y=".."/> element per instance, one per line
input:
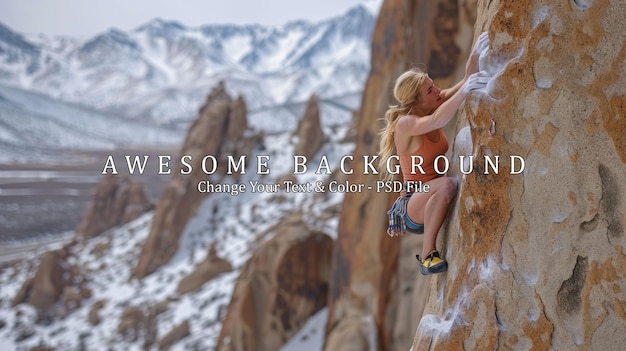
<point x="414" y="128"/>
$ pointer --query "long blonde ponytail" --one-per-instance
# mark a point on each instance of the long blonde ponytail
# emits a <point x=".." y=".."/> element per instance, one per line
<point x="406" y="91"/>
<point x="387" y="144"/>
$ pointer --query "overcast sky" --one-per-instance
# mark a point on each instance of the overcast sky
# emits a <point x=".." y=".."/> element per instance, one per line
<point x="87" y="17"/>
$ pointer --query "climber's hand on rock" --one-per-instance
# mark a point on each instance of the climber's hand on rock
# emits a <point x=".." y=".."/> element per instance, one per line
<point x="481" y="44"/>
<point x="476" y="81"/>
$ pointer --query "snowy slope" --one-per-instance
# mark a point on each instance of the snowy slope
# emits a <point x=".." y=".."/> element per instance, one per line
<point x="232" y="222"/>
<point x="36" y="128"/>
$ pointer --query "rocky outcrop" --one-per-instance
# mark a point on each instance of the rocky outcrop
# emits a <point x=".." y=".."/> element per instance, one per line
<point x="24" y="293"/>
<point x="279" y="288"/>
<point x="118" y="200"/>
<point x="175" y="335"/>
<point x="373" y="280"/>
<point x="139" y="323"/>
<point x="309" y="132"/>
<point x="71" y="299"/>
<point x="237" y="124"/>
<point x="94" y="313"/>
<point x="208" y="269"/>
<point x="239" y="139"/>
<point x="45" y="288"/>
<point x="218" y="118"/>
<point x="537" y="258"/>
<point x="57" y="288"/>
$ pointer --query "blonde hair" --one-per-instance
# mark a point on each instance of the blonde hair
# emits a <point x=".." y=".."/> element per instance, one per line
<point x="406" y="92"/>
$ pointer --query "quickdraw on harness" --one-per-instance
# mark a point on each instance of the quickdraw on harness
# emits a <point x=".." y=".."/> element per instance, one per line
<point x="397" y="225"/>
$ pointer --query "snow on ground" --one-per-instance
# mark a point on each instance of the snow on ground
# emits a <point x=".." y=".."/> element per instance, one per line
<point x="231" y="222"/>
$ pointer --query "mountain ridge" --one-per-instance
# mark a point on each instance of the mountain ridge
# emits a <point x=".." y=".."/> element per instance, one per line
<point x="161" y="70"/>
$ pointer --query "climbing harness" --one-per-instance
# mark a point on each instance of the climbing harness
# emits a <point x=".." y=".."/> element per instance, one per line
<point x="399" y="221"/>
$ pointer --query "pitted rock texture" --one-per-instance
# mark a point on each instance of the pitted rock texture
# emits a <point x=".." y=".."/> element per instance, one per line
<point x="536" y="260"/>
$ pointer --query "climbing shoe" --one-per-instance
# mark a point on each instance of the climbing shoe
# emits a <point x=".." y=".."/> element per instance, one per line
<point x="432" y="263"/>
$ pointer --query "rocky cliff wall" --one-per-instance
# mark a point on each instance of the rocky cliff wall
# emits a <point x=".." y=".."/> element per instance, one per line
<point x="376" y="296"/>
<point x="536" y="260"/>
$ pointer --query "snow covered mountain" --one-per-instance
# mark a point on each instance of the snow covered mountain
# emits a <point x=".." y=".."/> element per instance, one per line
<point x="35" y="128"/>
<point x="162" y="71"/>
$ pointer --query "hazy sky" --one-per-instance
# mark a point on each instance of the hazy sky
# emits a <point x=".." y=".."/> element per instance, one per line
<point x="88" y="17"/>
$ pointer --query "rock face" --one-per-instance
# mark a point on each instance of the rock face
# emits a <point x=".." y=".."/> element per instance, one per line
<point x="205" y="271"/>
<point x="283" y="284"/>
<point x="537" y="259"/>
<point x="117" y="200"/>
<point x="239" y="140"/>
<point x="376" y="295"/>
<point x="56" y="289"/>
<point x="309" y="131"/>
<point x="94" y="312"/>
<point x="139" y="323"/>
<point x="179" y="332"/>
<point x="219" y="117"/>
<point x="45" y="289"/>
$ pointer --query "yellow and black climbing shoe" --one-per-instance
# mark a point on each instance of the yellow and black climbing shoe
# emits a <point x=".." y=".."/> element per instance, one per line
<point x="432" y="263"/>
